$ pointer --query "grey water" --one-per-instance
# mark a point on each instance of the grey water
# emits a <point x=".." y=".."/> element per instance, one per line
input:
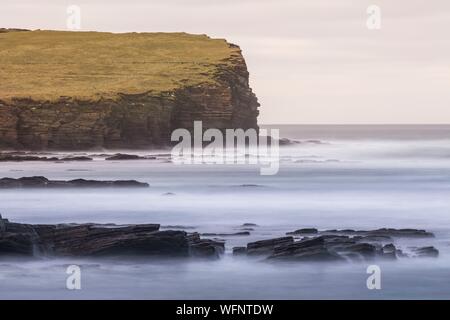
<point x="361" y="177"/>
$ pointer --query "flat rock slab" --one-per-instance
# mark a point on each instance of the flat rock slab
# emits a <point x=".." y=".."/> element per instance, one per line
<point x="42" y="182"/>
<point x="338" y="245"/>
<point x="76" y="240"/>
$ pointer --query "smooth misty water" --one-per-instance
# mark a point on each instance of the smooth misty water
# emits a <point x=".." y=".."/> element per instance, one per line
<point x="359" y="177"/>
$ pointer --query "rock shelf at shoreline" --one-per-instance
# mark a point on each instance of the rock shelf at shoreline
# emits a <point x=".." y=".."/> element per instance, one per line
<point x="339" y="245"/>
<point x="89" y="239"/>
<point x="42" y="182"/>
<point x="78" y="240"/>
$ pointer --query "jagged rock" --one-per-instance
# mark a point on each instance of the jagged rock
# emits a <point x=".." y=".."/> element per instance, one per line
<point x="267" y="246"/>
<point x="101" y="240"/>
<point x="123" y="156"/>
<point x="335" y="245"/>
<point x="204" y="247"/>
<point x="15" y="158"/>
<point x="42" y="182"/>
<point x="303" y="231"/>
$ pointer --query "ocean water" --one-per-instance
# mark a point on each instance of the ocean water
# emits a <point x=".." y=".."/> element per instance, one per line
<point x="361" y="177"/>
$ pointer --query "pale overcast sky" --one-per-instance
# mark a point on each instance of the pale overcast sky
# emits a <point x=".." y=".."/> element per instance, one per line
<point x="311" y="61"/>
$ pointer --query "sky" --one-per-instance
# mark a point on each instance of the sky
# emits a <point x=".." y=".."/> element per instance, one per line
<point x="310" y="61"/>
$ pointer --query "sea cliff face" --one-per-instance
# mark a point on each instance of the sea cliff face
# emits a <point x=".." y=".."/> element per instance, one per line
<point x="102" y="97"/>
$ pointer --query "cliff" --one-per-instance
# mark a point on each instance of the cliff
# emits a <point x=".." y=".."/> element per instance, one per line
<point x="81" y="90"/>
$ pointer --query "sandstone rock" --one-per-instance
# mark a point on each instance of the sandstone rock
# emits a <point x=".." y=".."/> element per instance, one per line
<point x="175" y="79"/>
<point x="101" y="240"/>
<point x="42" y="182"/>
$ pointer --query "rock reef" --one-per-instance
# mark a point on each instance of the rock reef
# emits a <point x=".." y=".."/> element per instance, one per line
<point x="126" y="91"/>
<point x="42" y="182"/>
<point x="63" y="240"/>
<point x="338" y="245"/>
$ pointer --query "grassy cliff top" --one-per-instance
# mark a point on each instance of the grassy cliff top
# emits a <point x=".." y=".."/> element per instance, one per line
<point x="45" y="65"/>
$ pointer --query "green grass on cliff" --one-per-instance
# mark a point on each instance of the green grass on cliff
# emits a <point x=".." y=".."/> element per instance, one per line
<point x="45" y="65"/>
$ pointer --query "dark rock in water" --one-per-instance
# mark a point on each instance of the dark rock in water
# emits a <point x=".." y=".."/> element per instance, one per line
<point x="124" y="156"/>
<point x="358" y="251"/>
<point x="335" y="245"/>
<point x="249" y="225"/>
<point x="389" y="251"/>
<point x="177" y="227"/>
<point x="101" y="240"/>
<point x="267" y="246"/>
<point x="77" y="158"/>
<point x="243" y="233"/>
<point x="42" y="182"/>
<point x="239" y="251"/>
<point x="378" y="238"/>
<point x="16" y="158"/>
<point x="306" y="250"/>
<point x="384" y="232"/>
<point x="400" y="233"/>
<point x="204" y="247"/>
<point x="303" y="231"/>
<point x="426" y="252"/>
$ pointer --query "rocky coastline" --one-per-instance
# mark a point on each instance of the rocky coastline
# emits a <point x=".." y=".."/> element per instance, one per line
<point x="100" y="240"/>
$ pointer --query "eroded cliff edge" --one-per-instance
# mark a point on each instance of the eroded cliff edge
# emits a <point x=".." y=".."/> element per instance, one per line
<point x="82" y="90"/>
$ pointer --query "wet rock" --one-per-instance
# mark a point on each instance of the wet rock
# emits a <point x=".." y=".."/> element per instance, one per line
<point x="243" y="233"/>
<point x="42" y="182"/>
<point x="204" y="247"/>
<point x="77" y="158"/>
<point x="306" y="250"/>
<point x="123" y="156"/>
<point x="399" y="233"/>
<point x="267" y="246"/>
<point x="426" y="252"/>
<point x="303" y="231"/>
<point x="239" y="251"/>
<point x="101" y="240"/>
<point x="389" y="251"/>
<point x="383" y="233"/>
<point x="15" y="158"/>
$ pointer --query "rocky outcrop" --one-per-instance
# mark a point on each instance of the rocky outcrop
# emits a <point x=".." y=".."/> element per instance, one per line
<point x="63" y="240"/>
<point x="338" y="245"/>
<point x="42" y="182"/>
<point x="221" y="98"/>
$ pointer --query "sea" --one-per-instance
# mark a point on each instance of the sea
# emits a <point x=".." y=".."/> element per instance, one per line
<point x="330" y="177"/>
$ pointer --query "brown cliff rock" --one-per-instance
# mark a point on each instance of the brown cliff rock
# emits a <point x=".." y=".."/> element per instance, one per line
<point x="66" y="90"/>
